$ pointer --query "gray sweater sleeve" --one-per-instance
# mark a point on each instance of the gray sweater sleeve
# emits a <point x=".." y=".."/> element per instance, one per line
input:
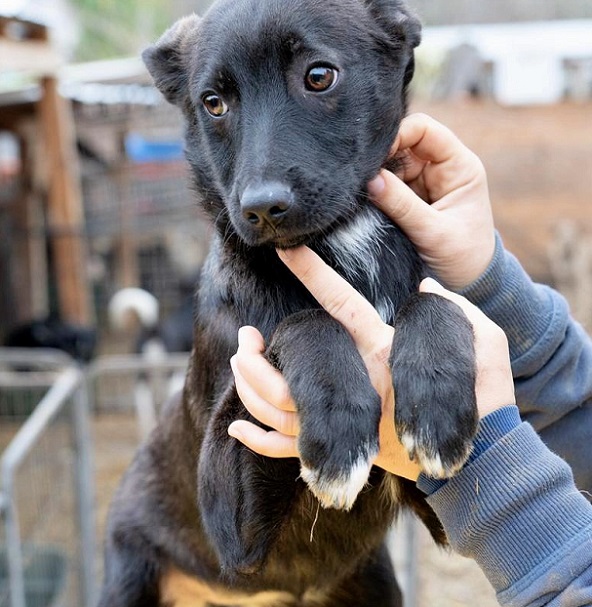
<point x="551" y="358"/>
<point x="515" y="510"/>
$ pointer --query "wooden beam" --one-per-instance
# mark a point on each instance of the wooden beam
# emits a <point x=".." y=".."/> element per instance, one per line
<point x="65" y="210"/>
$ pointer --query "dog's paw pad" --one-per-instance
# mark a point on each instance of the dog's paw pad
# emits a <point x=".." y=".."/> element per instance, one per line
<point x="433" y="461"/>
<point x="339" y="491"/>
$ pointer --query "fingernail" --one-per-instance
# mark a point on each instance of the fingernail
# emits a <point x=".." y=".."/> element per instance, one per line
<point x="376" y="186"/>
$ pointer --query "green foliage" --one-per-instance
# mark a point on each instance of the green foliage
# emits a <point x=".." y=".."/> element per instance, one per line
<point x="118" y="28"/>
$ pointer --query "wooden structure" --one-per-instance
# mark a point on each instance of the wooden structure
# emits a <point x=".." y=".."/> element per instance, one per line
<point x="25" y="48"/>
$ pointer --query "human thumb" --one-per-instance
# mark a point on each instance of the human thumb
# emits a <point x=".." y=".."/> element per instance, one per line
<point x="401" y="204"/>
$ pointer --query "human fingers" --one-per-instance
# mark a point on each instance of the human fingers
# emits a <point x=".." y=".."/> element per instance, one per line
<point x="454" y="234"/>
<point x="429" y="139"/>
<point x="398" y="201"/>
<point x="258" y="373"/>
<point x="433" y="160"/>
<point x="268" y="443"/>
<point x="266" y="412"/>
<point x="494" y="385"/>
<point x="340" y="300"/>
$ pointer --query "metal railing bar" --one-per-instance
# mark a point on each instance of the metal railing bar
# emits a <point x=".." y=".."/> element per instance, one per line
<point x="49" y="406"/>
<point x="45" y="357"/>
<point x="85" y="492"/>
<point x="22" y="443"/>
<point x="125" y="363"/>
<point x="27" y="379"/>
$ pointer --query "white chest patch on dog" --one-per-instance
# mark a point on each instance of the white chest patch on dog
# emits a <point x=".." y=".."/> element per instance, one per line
<point x="356" y="246"/>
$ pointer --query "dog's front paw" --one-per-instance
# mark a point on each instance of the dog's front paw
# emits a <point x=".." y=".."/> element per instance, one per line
<point x="338" y="406"/>
<point x="340" y="490"/>
<point x="338" y="446"/>
<point x="433" y="366"/>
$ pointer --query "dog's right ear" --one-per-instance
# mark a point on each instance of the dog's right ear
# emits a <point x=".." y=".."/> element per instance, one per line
<point x="167" y="59"/>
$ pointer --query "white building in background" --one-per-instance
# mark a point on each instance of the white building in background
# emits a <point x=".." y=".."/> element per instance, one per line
<point x="57" y="15"/>
<point x="528" y="63"/>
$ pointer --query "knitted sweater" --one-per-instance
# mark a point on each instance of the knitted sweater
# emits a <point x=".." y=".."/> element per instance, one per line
<point x="514" y="508"/>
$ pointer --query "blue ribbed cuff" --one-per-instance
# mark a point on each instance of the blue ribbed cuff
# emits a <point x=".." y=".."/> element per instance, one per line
<point x="516" y="511"/>
<point x="492" y="428"/>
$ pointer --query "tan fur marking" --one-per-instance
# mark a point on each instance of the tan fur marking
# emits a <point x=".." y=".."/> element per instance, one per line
<point x="180" y="590"/>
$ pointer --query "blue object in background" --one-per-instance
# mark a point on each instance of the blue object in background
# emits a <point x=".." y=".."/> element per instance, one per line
<point x="141" y="150"/>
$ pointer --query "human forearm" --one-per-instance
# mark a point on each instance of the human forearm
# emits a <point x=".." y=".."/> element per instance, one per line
<point x="517" y="513"/>
<point x="551" y="358"/>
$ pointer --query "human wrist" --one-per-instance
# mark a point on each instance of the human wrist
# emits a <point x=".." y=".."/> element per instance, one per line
<point x="492" y="427"/>
<point x="513" y="510"/>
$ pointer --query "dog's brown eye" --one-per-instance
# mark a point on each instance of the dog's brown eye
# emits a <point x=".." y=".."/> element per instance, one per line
<point x="320" y="78"/>
<point x="215" y="105"/>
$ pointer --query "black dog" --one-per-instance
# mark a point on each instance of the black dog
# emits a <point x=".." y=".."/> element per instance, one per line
<point x="52" y="332"/>
<point x="291" y="107"/>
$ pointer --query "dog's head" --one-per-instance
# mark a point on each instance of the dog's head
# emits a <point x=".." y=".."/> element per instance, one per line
<point x="290" y="107"/>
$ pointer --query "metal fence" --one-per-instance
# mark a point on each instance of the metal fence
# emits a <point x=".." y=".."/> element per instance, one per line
<point x="56" y="477"/>
<point x="46" y="498"/>
<point x="126" y="393"/>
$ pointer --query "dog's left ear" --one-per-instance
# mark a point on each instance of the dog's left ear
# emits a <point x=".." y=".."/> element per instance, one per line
<point x="167" y="60"/>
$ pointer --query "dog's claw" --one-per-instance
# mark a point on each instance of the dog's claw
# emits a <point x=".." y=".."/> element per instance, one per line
<point x="431" y="460"/>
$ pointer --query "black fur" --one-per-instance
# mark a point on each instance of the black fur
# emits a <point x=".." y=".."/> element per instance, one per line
<point x="287" y="165"/>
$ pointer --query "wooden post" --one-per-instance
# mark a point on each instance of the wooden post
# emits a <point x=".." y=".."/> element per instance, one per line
<point x="65" y="210"/>
<point x="127" y="247"/>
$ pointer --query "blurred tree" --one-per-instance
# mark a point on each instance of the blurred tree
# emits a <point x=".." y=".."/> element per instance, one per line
<point x="112" y="28"/>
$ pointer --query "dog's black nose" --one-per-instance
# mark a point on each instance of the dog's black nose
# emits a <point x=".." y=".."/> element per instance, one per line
<point x="267" y="202"/>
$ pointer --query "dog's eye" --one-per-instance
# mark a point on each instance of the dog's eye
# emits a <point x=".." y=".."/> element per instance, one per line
<point x="215" y="105"/>
<point x="320" y="78"/>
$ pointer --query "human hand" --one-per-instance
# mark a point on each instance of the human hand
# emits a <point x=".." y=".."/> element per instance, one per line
<point x="454" y="231"/>
<point x="266" y="395"/>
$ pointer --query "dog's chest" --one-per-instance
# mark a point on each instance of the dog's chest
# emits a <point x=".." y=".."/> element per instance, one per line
<point x="364" y="252"/>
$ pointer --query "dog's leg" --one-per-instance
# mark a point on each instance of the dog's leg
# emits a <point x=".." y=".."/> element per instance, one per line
<point x="131" y="579"/>
<point x="372" y="584"/>
<point x="433" y="366"/>
<point x="243" y="497"/>
<point x="339" y="409"/>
